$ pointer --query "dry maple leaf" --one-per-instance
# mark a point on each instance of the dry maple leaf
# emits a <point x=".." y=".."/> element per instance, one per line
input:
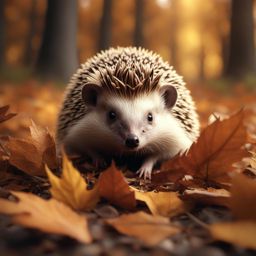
<point x="71" y="188"/>
<point x="31" y="154"/>
<point x="114" y="188"/>
<point x="166" y="204"/>
<point x="47" y="215"/>
<point x="4" y="116"/>
<point x="211" y="158"/>
<point x="149" y="229"/>
<point x="242" y="203"/>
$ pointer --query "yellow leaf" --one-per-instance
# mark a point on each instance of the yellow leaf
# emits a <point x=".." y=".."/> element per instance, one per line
<point x="241" y="233"/>
<point x="71" y="188"/>
<point x="149" y="229"/>
<point x="166" y="204"/>
<point x="47" y="215"/>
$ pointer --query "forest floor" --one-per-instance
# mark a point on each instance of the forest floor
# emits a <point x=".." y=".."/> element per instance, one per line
<point x="193" y="235"/>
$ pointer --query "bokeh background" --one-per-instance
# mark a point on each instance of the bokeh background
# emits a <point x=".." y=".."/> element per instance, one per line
<point x="209" y="42"/>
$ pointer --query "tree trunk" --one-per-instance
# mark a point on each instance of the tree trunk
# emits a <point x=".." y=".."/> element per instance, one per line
<point x="2" y="34"/>
<point x="58" y="54"/>
<point x="138" y="31"/>
<point x="105" y="25"/>
<point x="28" y="54"/>
<point x="241" y="61"/>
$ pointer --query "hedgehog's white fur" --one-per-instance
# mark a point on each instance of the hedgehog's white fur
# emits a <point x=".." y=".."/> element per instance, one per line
<point x="131" y="80"/>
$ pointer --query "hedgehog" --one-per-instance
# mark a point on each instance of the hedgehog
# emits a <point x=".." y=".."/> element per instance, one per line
<point x="127" y="103"/>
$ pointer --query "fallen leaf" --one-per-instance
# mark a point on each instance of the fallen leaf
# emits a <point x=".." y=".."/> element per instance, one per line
<point x="242" y="203"/>
<point x="31" y="154"/>
<point x="241" y="233"/>
<point x="149" y="229"/>
<point x="45" y="144"/>
<point x="212" y="156"/>
<point x="114" y="188"/>
<point x="71" y="188"/>
<point x="166" y="204"/>
<point x="209" y="196"/>
<point x="47" y="215"/>
<point x="4" y="116"/>
<point x="243" y="194"/>
<point x="25" y="156"/>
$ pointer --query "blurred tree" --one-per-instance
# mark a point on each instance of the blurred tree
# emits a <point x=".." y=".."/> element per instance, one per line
<point x="241" y="60"/>
<point x="2" y="33"/>
<point x="28" y="56"/>
<point x="139" y="17"/>
<point x="105" y="25"/>
<point x="58" y="53"/>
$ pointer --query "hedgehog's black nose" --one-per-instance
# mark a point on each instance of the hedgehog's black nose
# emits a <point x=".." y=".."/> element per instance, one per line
<point x="132" y="141"/>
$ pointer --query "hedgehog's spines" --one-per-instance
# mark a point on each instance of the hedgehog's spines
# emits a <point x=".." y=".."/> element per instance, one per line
<point x="127" y="71"/>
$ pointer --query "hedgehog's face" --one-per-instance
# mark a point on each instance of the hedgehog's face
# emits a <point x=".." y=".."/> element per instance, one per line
<point x="133" y="122"/>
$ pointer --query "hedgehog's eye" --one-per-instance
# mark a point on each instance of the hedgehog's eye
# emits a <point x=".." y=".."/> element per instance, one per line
<point x="150" y="117"/>
<point x="111" y="115"/>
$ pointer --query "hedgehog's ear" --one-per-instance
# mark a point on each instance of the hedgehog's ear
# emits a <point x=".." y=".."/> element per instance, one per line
<point x="90" y="94"/>
<point x="169" y="94"/>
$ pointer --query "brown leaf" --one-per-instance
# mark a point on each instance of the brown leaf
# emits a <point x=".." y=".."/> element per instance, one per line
<point x="25" y="156"/>
<point x="243" y="194"/>
<point x="209" y="196"/>
<point x="241" y="233"/>
<point x="211" y="158"/>
<point x="47" y="215"/>
<point x="45" y="144"/>
<point x="115" y="189"/>
<point x="166" y="204"/>
<point x="71" y="189"/>
<point x="31" y="154"/>
<point x="3" y="116"/>
<point x="149" y="229"/>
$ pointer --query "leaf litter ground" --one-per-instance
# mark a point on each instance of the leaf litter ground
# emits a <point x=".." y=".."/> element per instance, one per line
<point x="197" y="204"/>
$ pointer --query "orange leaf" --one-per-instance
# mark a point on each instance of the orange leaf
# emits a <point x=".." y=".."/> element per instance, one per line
<point x="114" y="188"/>
<point x="31" y="154"/>
<point x="71" y="189"/>
<point x="166" y="204"/>
<point x="149" y="229"/>
<point x="219" y="146"/>
<point x="243" y="194"/>
<point x="25" y="156"/>
<point x="47" y="215"/>
<point x="241" y="233"/>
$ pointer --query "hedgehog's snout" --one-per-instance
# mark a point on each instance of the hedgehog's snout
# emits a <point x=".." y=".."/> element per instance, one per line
<point x="132" y="141"/>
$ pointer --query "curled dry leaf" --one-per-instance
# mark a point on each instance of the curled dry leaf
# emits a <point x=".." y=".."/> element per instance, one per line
<point x="209" y="196"/>
<point x="71" y="188"/>
<point x="3" y="115"/>
<point x="242" y="203"/>
<point x="49" y="216"/>
<point x="31" y="154"/>
<point x="211" y="158"/>
<point x="149" y="229"/>
<point x="114" y="188"/>
<point x="166" y="204"/>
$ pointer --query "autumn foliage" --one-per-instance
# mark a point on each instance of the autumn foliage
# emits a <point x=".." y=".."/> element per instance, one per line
<point x="211" y="172"/>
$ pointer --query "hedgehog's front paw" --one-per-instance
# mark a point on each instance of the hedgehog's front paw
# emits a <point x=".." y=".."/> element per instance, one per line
<point x="146" y="168"/>
<point x="145" y="172"/>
